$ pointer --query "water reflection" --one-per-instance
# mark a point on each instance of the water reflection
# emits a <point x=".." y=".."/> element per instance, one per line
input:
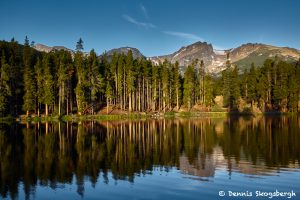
<point x="54" y="154"/>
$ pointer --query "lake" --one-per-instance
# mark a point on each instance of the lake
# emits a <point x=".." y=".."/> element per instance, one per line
<point x="189" y="158"/>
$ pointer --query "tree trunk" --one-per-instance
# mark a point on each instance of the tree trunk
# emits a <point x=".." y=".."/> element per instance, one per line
<point x="177" y="98"/>
<point x="130" y="108"/>
<point x="107" y="104"/>
<point x="46" y="106"/>
<point x="38" y="111"/>
<point x="59" y="106"/>
<point x="67" y="105"/>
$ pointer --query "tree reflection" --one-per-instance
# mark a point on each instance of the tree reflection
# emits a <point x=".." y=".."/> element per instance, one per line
<point x="59" y="153"/>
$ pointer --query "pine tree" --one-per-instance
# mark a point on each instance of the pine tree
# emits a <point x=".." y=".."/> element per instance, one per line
<point x="109" y="96"/>
<point x="209" y="90"/>
<point x="177" y="84"/>
<point x="130" y="78"/>
<point x="80" y="89"/>
<point x="226" y="83"/>
<point x="293" y="92"/>
<point x="201" y="82"/>
<point x="79" y="45"/>
<point x="5" y="89"/>
<point x="39" y="76"/>
<point x="96" y="82"/>
<point x="147" y="67"/>
<point x="120" y="81"/>
<point x="297" y="80"/>
<point x="189" y="87"/>
<point x="64" y="61"/>
<point x="234" y="88"/>
<point x="29" y="83"/>
<point x="114" y="72"/>
<point x="165" y="84"/>
<point x="155" y="83"/>
<point x="252" y="85"/>
<point x="48" y="83"/>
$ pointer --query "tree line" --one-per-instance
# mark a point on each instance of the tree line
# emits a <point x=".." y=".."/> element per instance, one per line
<point x="63" y="82"/>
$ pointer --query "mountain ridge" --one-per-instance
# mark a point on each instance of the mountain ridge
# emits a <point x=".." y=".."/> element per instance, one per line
<point x="213" y="59"/>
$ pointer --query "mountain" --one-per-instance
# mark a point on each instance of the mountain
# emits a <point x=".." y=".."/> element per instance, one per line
<point x="214" y="60"/>
<point x="47" y="49"/>
<point x="245" y="54"/>
<point x="124" y="50"/>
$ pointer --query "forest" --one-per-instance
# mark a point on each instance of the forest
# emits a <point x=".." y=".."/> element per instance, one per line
<point x="63" y="83"/>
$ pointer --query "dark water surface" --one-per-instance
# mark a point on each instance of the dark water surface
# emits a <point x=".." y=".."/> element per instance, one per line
<point x="152" y="159"/>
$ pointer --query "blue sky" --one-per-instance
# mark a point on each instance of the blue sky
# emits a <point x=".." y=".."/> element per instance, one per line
<point x="156" y="27"/>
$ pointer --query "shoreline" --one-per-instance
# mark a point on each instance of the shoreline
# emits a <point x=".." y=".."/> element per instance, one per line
<point x="132" y="116"/>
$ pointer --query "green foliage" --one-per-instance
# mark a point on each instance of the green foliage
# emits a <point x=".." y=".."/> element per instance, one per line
<point x="66" y="83"/>
<point x="82" y="82"/>
<point x="29" y="83"/>
<point x="79" y="45"/>
<point x="5" y="89"/>
<point x="48" y="97"/>
<point x="38" y="68"/>
<point x="189" y="86"/>
<point x="209" y="90"/>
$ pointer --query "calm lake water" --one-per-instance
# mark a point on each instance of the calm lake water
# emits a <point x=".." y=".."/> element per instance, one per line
<point x="151" y="159"/>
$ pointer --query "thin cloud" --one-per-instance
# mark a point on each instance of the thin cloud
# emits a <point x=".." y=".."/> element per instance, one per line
<point x="138" y="23"/>
<point x="189" y="36"/>
<point x="144" y="11"/>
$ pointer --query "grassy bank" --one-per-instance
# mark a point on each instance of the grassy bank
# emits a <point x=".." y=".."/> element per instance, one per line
<point x="130" y="116"/>
<point x="75" y="118"/>
<point x="156" y="115"/>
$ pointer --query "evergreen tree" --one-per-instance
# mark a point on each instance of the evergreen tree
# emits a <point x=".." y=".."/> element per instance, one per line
<point x="209" y="90"/>
<point x="201" y="82"/>
<point x="252" y="85"/>
<point x="96" y="82"/>
<point x="155" y="83"/>
<point x="189" y="86"/>
<point x="165" y="84"/>
<point x="29" y="83"/>
<point x="109" y="96"/>
<point x="48" y="83"/>
<point x="226" y="83"/>
<point x="79" y="45"/>
<point x="39" y="76"/>
<point x="120" y="81"/>
<point x="177" y="84"/>
<point x="130" y="78"/>
<point x="64" y="60"/>
<point x="80" y="89"/>
<point x="5" y="90"/>
<point x="234" y="88"/>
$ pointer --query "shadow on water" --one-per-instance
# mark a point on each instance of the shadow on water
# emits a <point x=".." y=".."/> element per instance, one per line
<point x="53" y="154"/>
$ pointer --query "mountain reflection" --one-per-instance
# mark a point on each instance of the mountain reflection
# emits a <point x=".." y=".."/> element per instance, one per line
<point x="54" y="154"/>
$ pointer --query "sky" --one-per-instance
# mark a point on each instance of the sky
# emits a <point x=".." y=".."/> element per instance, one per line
<point x="155" y="27"/>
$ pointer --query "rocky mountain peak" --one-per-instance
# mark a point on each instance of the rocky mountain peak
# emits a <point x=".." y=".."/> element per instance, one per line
<point x="187" y="54"/>
<point x="47" y="49"/>
<point x="124" y="50"/>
